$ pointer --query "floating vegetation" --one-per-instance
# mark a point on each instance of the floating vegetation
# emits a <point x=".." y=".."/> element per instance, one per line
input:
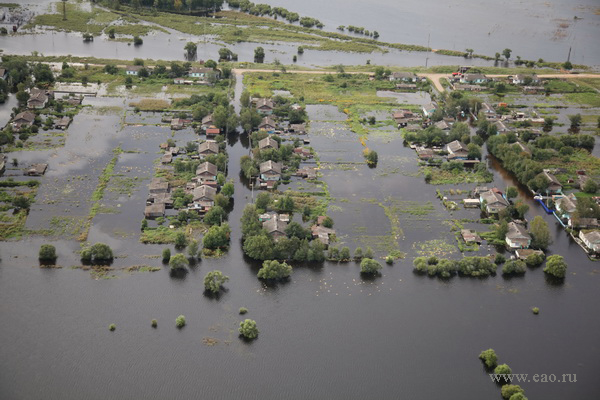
<point x="436" y="247"/>
<point x="142" y="268"/>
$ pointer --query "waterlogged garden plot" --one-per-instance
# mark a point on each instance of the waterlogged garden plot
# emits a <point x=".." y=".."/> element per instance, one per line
<point x="325" y="112"/>
<point x="144" y="118"/>
<point x="407" y="99"/>
<point x="335" y="143"/>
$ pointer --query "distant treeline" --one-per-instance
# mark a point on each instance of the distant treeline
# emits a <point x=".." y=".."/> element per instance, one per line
<point x="265" y="9"/>
<point x="167" y="5"/>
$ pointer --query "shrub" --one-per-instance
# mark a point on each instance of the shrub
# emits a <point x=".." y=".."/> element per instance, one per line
<point x="180" y="240"/>
<point x="503" y="369"/>
<point x="47" y="252"/>
<point x="389" y="260"/>
<point x="533" y="260"/>
<point x="369" y="266"/>
<point x="112" y="327"/>
<point x="556" y="266"/>
<point x="274" y="270"/>
<point x="178" y="261"/>
<point x="193" y="248"/>
<point x="154" y="323"/>
<point x="99" y="252"/>
<point x="214" y="280"/>
<point x="243" y="310"/>
<point x="500" y="259"/>
<point x="358" y="254"/>
<point x="166" y="255"/>
<point x="514" y="267"/>
<point x="489" y="358"/>
<point x="180" y="321"/>
<point x="508" y="391"/>
<point x="368" y="253"/>
<point x="248" y="329"/>
<point x="345" y="254"/>
<point x="535" y="310"/>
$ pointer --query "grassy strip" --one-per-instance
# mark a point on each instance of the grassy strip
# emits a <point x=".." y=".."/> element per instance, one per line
<point x="98" y="194"/>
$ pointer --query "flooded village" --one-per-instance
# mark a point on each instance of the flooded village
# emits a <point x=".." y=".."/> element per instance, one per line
<point x="280" y="202"/>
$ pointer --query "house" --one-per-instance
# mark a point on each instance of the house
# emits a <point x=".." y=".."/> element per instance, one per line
<point x="275" y="228"/>
<point x="522" y="254"/>
<point x="38" y="98"/>
<point x="208" y="148"/>
<point x="307" y="172"/>
<point x="133" y="69"/>
<point x="521" y="79"/>
<point x="167" y="158"/>
<point x="554" y="186"/>
<point x="457" y="150"/>
<point x="591" y="240"/>
<point x="567" y="205"/>
<point x="533" y="89"/>
<point x="177" y="124"/>
<point x="265" y="106"/>
<point x="204" y="197"/>
<point x="164" y="198"/>
<point x="517" y="237"/>
<point x="429" y="109"/>
<point x="489" y="111"/>
<point x="443" y="125"/>
<point x="62" y="123"/>
<point x="205" y="74"/>
<point x="267" y="216"/>
<point x="154" y="210"/>
<point x="470" y="236"/>
<point x="267" y="124"/>
<point x="37" y="170"/>
<point x="212" y="131"/>
<point x="403" y="76"/>
<point x="406" y="86"/>
<point x="474" y="79"/>
<point x="3" y="74"/>
<point x="179" y="81"/>
<point x="159" y="185"/>
<point x="268" y="143"/>
<point x="299" y="129"/>
<point x="270" y="171"/>
<point x="425" y="153"/>
<point x="304" y="153"/>
<point x="493" y="202"/>
<point x="322" y="233"/>
<point x="523" y="148"/>
<point x="23" y="119"/>
<point x="467" y="88"/>
<point x="471" y="203"/>
<point x="207" y="171"/>
<point x="583" y="223"/>
<point x="501" y="127"/>
<point x="207" y="122"/>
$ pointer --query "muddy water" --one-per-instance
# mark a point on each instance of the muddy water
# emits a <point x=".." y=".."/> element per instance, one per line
<point x="327" y="333"/>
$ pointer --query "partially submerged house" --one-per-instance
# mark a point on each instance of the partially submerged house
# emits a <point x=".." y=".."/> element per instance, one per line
<point x="265" y="106"/>
<point x="566" y="206"/>
<point x="493" y="202"/>
<point x="270" y="171"/>
<point x="268" y="143"/>
<point x="457" y="150"/>
<point x="554" y="186"/>
<point x="207" y="148"/>
<point x="267" y="124"/>
<point x="322" y="233"/>
<point x="37" y="170"/>
<point x="23" y="119"/>
<point x="429" y="109"/>
<point x="470" y="236"/>
<point x="38" y="98"/>
<point x="159" y="185"/>
<point x="206" y="171"/>
<point x="207" y="122"/>
<point x="204" y="198"/>
<point x="298" y="129"/>
<point x="591" y="240"/>
<point x="155" y="210"/>
<point x="304" y="153"/>
<point x="517" y="236"/>
<point x="275" y="227"/>
<point x="62" y="123"/>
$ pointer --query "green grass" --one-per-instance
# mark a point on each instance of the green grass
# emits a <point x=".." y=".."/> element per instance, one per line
<point x="78" y="20"/>
<point x="588" y="98"/>
<point x="442" y="177"/>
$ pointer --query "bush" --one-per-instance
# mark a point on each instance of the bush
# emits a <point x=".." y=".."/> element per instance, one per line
<point x="503" y="369"/>
<point x="21" y="203"/>
<point x="358" y="254"/>
<point x="369" y="266"/>
<point x="500" y="259"/>
<point x="556" y="266"/>
<point x="166" y="255"/>
<point x="243" y="310"/>
<point x="258" y="247"/>
<point x="192" y="248"/>
<point x="368" y="253"/>
<point x="389" y="260"/>
<point x="180" y="240"/>
<point x="112" y="327"/>
<point x="180" y="321"/>
<point x="99" y="252"/>
<point x="178" y="261"/>
<point x="217" y="237"/>
<point x="590" y="186"/>
<point x="533" y="260"/>
<point x="248" y="329"/>
<point x="345" y="254"/>
<point x="215" y="216"/>
<point x="535" y="310"/>
<point x="214" y="280"/>
<point x="154" y="323"/>
<point x="514" y="267"/>
<point x="489" y="358"/>
<point x="274" y="270"/>
<point x="508" y="391"/>
<point x="47" y="253"/>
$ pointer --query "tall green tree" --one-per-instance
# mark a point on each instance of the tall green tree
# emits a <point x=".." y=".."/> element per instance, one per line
<point x="540" y="234"/>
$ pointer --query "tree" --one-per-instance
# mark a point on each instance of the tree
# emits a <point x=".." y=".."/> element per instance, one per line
<point x="99" y="252"/>
<point x="258" y="247"/>
<point x="369" y="266"/>
<point x="21" y="202"/>
<point x="358" y="254"/>
<point x="294" y="229"/>
<point x="533" y="260"/>
<point x="506" y="53"/>
<point x="575" y="121"/>
<point x="590" y="186"/>
<point x="228" y="189"/>
<point x="214" y="280"/>
<point x="166" y="255"/>
<point x="469" y="52"/>
<point x="345" y="254"/>
<point x="371" y="156"/>
<point x="43" y="74"/>
<point x="215" y="216"/>
<point x="368" y="253"/>
<point x="567" y="65"/>
<point x="512" y="192"/>
<point x="190" y="49"/>
<point x="137" y="41"/>
<point x="474" y="152"/>
<point x="540" y="234"/>
<point x="556" y="266"/>
<point x="192" y="248"/>
<point x="217" y="237"/>
<point x="497" y="57"/>
<point x="128" y="82"/>
<point x="180" y="240"/>
<point x="273" y="269"/>
<point x="47" y="253"/>
<point x="285" y="203"/>
<point x="503" y="369"/>
<point x="259" y="55"/>
<point x="489" y="357"/>
<point x="22" y="97"/>
<point x="514" y="267"/>
<point x="180" y="321"/>
<point x="248" y="329"/>
<point x="178" y="261"/>
<point x="510" y="390"/>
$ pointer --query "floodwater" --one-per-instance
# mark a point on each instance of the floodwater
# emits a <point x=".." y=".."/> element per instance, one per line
<point x="327" y="333"/>
<point x="551" y="28"/>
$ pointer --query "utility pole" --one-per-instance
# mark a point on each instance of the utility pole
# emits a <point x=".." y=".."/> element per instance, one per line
<point x="428" y="40"/>
<point x="569" y="56"/>
<point x="64" y="10"/>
